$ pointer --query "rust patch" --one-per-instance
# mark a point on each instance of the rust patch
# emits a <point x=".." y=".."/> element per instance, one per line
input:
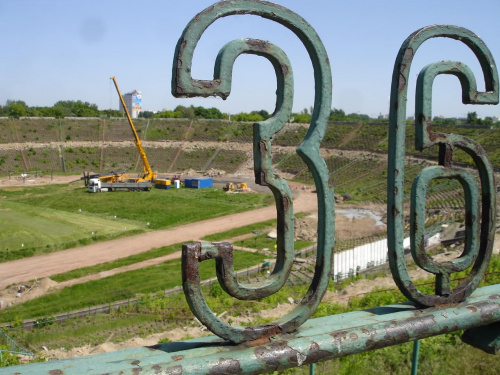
<point x="408" y="54"/>
<point x="190" y="262"/>
<point x="56" y="372"/>
<point x="263" y="147"/>
<point x="338" y="337"/>
<point x="316" y="354"/>
<point x="368" y="332"/>
<point x="157" y="369"/>
<point x="207" y="84"/>
<point x="487" y="309"/>
<point x="286" y="203"/>
<point x="177" y="357"/>
<point x="284" y="69"/>
<point x="259" y="341"/>
<point x="402" y="83"/>
<point x="267" y="331"/>
<point x="136" y="370"/>
<point x="226" y="366"/>
<point x="174" y="370"/>
<point x="135" y="363"/>
<point x="275" y="353"/>
<point x="472" y="308"/>
<point x="258" y="44"/>
<point x="421" y="255"/>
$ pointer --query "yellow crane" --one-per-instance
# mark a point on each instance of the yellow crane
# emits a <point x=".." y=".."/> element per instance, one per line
<point x="148" y="174"/>
<point x="113" y="180"/>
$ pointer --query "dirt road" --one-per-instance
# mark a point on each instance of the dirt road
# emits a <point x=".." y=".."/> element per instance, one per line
<point x="22" y="270"/>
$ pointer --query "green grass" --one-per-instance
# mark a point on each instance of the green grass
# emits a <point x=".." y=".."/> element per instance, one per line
<point x="166" y="275"/>
<point x="122" y="262"/>
<point x="261" y="241"/>
<point x="156" y="314"/>
<point x="240" y="231"/>
<point x="28" y="229"/>
<point x="160" y="208"/>
<point x="47" y="218"/>
<point x="91" y="330"/>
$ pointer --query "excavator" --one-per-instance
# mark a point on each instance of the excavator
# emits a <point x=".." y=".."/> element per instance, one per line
<point x="112" y="181"/>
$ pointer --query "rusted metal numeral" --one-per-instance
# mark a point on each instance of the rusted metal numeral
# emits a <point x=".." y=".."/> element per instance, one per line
<point x="479" y="239"/>
<point x="183" y="85"/>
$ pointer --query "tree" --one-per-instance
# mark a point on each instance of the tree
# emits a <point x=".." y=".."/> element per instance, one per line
<point x="146" y="114"/>
<point x="337" y="115"/>
<point x="111" y="113"/>
<point x="249" y="117"/>
<point x="265" y="115"/>
<point x="472" y="118"/>
<point x="301" y="118"/>
<point x="16" y="108"/>
<point x="72" y="108"/>
<point x="186" y="112"/>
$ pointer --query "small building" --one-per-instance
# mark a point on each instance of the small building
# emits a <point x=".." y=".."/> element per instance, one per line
<point x="199" y="182"/>
<point x="133" y="101"/>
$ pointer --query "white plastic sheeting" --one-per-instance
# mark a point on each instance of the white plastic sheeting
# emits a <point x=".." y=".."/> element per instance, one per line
<point x="347" y="263"/>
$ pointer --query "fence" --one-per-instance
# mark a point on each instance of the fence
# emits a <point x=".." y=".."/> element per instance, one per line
<point x="14" y="348"/>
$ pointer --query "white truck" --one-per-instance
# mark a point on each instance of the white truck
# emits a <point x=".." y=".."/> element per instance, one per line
<point x="96" y="186"/>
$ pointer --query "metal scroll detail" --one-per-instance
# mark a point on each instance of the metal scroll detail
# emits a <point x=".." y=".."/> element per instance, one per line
<point x="183" y="85"/>
<point x="479" y="238"/>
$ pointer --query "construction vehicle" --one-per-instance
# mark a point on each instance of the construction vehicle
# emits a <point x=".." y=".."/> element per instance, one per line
<point x="120" y="180"/>
<point x="236" y="188"/>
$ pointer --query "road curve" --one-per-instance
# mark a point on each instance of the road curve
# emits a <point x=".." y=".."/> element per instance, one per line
<point x="37" y="267"/>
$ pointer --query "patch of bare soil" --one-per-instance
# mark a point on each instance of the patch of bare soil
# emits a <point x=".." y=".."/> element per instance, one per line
<point x="20" y="293"/>
<point x="32" y="180"/>
<point x="366" y="285"/>
<point x="176" y="334"/>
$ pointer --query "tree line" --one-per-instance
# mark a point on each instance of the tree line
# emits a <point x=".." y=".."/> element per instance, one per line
<point x="77" y="108"/>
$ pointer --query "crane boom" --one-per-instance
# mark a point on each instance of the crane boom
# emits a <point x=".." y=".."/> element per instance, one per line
<point x="148" y="172"/>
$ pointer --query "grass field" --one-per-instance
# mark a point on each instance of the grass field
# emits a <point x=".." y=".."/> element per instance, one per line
<point x="47" y="218"/>
<point x="439" y="355"/>
<point x="151" y="279"/>
<point x="27" y="229"/>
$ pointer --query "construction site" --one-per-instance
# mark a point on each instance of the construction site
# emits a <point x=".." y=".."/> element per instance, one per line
<point x="158" y="156"/>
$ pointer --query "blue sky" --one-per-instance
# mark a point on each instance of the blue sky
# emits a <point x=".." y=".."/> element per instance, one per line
<point x="67" y="50"/>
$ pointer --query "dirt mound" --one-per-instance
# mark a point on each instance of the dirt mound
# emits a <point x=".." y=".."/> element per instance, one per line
<point x="19" y="293"/>
<point x="305" y="229"/>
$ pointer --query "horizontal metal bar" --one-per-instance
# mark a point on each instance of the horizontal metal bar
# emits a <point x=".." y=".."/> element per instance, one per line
<point x="316" y="340"/>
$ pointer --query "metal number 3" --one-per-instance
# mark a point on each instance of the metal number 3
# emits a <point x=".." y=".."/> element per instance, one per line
<point x="183" y="85"/>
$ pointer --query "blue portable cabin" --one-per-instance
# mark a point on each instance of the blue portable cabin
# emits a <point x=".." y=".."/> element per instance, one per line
<point x="199" y="182"/>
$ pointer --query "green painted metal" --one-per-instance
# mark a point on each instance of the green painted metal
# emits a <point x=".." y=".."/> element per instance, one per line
<point x="183" y="85"/>
<point x="293" y="340"/>
<point x="316" y="340"/>
<point x="486" y="338"/>
<point x="414" y="357"/>
<point x="479" y="221"/>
